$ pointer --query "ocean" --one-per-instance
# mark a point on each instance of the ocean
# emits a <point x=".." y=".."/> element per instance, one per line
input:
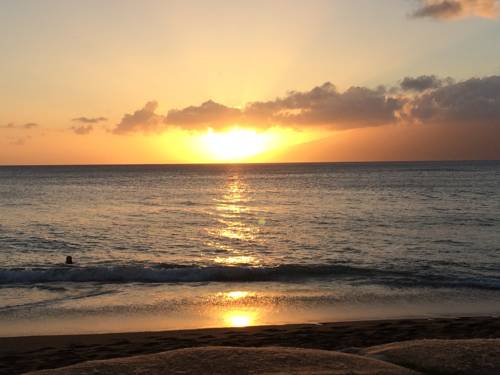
<point x="188" y="246"/>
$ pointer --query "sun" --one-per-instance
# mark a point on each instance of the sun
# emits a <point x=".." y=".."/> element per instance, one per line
<point x="236" y="144"/>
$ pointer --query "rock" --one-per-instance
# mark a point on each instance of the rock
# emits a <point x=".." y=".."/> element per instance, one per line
<point x="457" y="357"/>
<point x="232" y="361"/>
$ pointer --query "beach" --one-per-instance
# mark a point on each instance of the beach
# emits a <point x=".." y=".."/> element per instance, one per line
<point x="250" y="187"/>
<point x="325" y="257"/>
<point x="245" y="244"/>
<point x="23" y="354"/>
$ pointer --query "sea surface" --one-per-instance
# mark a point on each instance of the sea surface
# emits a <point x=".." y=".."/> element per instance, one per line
<point x="181" y="246"/>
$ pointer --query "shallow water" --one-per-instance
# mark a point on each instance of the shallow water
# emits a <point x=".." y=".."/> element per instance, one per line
<point x="162" y="247"/>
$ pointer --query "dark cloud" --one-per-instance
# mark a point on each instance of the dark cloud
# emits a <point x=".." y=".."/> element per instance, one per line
<point x="427" y="99"/>
<point x="321" y="106"/>
<point x="421" y="83"/>
<point x="142" y="120"/>
<point x="325" y="105"/>
<point x="210" y="114"/>
<point x="90" y="120"/>
<point x="424" y="99"/>
<point x="450" y="9"/>
<point x="475" y="101"/>
<point x="442" y="9"/>
<point x="82" y="130"/>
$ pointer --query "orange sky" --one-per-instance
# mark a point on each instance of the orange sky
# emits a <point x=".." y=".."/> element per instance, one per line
<point x="219" y="81"/>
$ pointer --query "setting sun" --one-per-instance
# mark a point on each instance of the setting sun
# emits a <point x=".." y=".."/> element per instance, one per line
<point x="213" y="186"/>
<point x="236" y="143"/>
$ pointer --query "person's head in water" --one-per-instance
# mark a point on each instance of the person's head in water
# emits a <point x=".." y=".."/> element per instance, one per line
<point x="69" y="260"/>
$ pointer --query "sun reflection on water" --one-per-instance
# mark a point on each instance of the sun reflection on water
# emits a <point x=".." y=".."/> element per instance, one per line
<point x="237" y="294"/>
<point x="238" y="260"/>
<point x="233" y="232"/>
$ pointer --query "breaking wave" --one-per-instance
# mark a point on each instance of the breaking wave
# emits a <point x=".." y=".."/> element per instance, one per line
<point x="172" y="273"/>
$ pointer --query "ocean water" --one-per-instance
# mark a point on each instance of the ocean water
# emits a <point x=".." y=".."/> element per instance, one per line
<point x="183" y="246"/>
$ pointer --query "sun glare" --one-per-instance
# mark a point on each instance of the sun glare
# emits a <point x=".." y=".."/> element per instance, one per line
<point x="239" y="318"/>
<point x="236" y="144"/>
<point x="237" y="294"/>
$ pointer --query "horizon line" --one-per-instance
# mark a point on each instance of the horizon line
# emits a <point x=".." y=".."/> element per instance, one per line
<point x="251" y="163"/>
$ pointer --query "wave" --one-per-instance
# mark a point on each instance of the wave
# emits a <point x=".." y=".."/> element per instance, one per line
<point x="176" y="273"/>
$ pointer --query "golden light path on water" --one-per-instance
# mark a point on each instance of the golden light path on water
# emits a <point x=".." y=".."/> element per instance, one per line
<point x="232" y="233"/>
<point x="238" y="308"/>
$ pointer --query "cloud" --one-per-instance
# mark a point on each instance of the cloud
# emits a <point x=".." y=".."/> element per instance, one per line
<point x="453" y="9"/>
<point x="89" y="120"/>
<point x="82" y="130"/>
<point x="474" y="102"/>
<point x="322" y="106"/>
<point x="27" y="126"/>
<point x="425" y="99"/>
<point x="30" y="125"/>
<point x="210" y="114"/>
<point x="325" y="106"/>
<point x="439" y="9"/>
<point x="421" y="83"/>
<point x="420" y="100"/>
<point x="143" y="120"/>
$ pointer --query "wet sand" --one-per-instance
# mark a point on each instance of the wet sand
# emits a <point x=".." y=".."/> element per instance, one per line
<point x="23" y="354"/>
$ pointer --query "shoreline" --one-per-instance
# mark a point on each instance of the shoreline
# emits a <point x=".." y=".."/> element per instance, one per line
<point x="28" y="353"/>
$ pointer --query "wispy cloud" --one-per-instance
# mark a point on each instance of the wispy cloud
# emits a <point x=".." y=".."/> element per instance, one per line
<point x="19" y="141"/>
<point x="89" y="120"/>
<point x="30" y="125"/>
<point x="26" y="126"/>
<point x="83" y="129"/>
<point x="453" y="9"/>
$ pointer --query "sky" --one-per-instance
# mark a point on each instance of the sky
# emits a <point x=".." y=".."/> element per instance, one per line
<point x="122" y="81"/>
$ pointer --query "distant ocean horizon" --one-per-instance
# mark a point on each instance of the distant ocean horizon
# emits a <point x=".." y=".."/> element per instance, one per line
<point x="167" y="246"/>
<point x="232" y="163"/>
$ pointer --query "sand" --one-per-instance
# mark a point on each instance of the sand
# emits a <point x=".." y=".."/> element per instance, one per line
<point x="23" y="354"/>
